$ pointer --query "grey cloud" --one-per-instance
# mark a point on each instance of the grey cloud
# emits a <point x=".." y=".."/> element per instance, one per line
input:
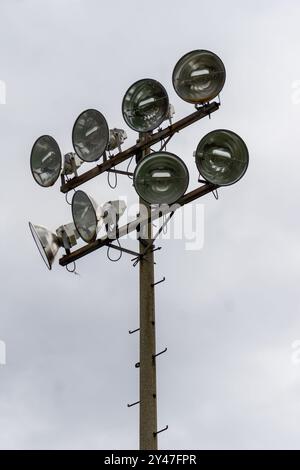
<point x="228" y="313"/>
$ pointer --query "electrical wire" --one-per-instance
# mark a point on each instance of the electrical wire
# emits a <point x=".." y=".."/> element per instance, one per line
<point x="66" y="197"/>
<point x="128" y="166"/>
<point x="72" y="270"/>
<point x="112" y="186"/>
<point x="120" y="256"/>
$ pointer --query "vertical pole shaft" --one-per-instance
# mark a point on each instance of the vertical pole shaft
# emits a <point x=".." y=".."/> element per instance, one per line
<point x="148" y="401"/>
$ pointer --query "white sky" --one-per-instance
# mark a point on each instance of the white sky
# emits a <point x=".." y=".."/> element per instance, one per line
<point x="228" y="313"/>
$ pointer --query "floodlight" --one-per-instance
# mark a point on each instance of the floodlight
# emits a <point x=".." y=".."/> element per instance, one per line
<point x="117" y="137"/>
<point x="86" y="215"/>
<point x="161" y="178"/>
<point x="71" y="164"/>
<point x="90" y="135"/>
<point x="49" y="243"/>
<point x="45" y="161"/>
<point x="222" y="157"/>
<point x="199" y="76"/>
<point x="145" y="105"/>
<point x="112" y="211"/>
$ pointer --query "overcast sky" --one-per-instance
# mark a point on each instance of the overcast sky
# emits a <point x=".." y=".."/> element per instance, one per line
<point x="228" y="313"/>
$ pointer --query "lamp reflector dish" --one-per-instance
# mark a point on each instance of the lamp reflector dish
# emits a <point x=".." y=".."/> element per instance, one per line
<point x="145" y="105"/>
<point x="222" y="157"/>
<point x="199" y="76"/>
<point x="45" y="161"/>
<point x="90" y="135"/>
<point x="84" y="211"/>
<point x="47" y="242"/>
<point x="161" y="178"/>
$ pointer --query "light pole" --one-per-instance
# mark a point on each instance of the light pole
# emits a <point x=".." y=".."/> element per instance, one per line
<point x="160" y="179"/>
<point x="148" y="400"/>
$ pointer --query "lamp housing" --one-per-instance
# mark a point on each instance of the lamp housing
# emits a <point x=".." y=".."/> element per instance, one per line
<point x="161" y="178"/>
<point x="145" y="105"/>
<point x="199" y="76"/>
<point x="222" y="157"/>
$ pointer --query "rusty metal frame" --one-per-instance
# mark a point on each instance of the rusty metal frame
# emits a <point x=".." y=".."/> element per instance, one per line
<point x="205" y="110"/>
<point x="132" y="226"/>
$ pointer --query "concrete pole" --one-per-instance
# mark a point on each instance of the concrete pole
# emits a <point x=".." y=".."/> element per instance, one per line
<point x="148" y="400"/>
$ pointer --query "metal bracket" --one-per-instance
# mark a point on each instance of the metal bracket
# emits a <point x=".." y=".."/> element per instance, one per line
<point x="200" y="180"/>
<point x="166" y="142"/>
<point x="120" y="172"/>
<point x="141" y="240"/>
<point x="215" y="191"/>
<point x="132" y="404"/>
<point x="158" y="354"/>
<point x="162" y="226"/>
<point x="150" y="246"/>
<point x="202" y="106"/>
<point x="143" y="256"/>
<point x="216" y="194"/>
<point x="62" y="179"/>
<point x="133" y="331"/>
<point x="162" y="430"/>
<point x="120" y="248"/>
<point x="155" y="249"/>
<point x="158" y="282"/>
<point x="137" y="259"/>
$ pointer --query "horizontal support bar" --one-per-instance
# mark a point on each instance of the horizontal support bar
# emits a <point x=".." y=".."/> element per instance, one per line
<point x="120" y="157"/>
<point x="131" y="226"/>
<point x="125" y="250"/>
<point x="120" y="172"/>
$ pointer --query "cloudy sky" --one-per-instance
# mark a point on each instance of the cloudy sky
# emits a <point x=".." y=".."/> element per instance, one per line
<point x="228" y="313"/>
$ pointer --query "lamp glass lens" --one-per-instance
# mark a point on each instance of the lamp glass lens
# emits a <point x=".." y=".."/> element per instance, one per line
<point x="45" y="161"/>
<point x="222" y="157"/>
<point x="145" y="105"/>
<point x="84" y="216"/>
<point x="199" y="76"/>
<point x="90" y="135"/>
<point x="161" y="178"/>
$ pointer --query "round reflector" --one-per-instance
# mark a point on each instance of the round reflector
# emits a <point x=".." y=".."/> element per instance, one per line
<point x="199" y="76"/>
<point x="145" y="105"/>
<point x="90" y="135"/>
<point x="161" y="178"/>
<point x="45" y="161"/>
<point x="84" y="216"/>
<point x="222" y="157"/>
